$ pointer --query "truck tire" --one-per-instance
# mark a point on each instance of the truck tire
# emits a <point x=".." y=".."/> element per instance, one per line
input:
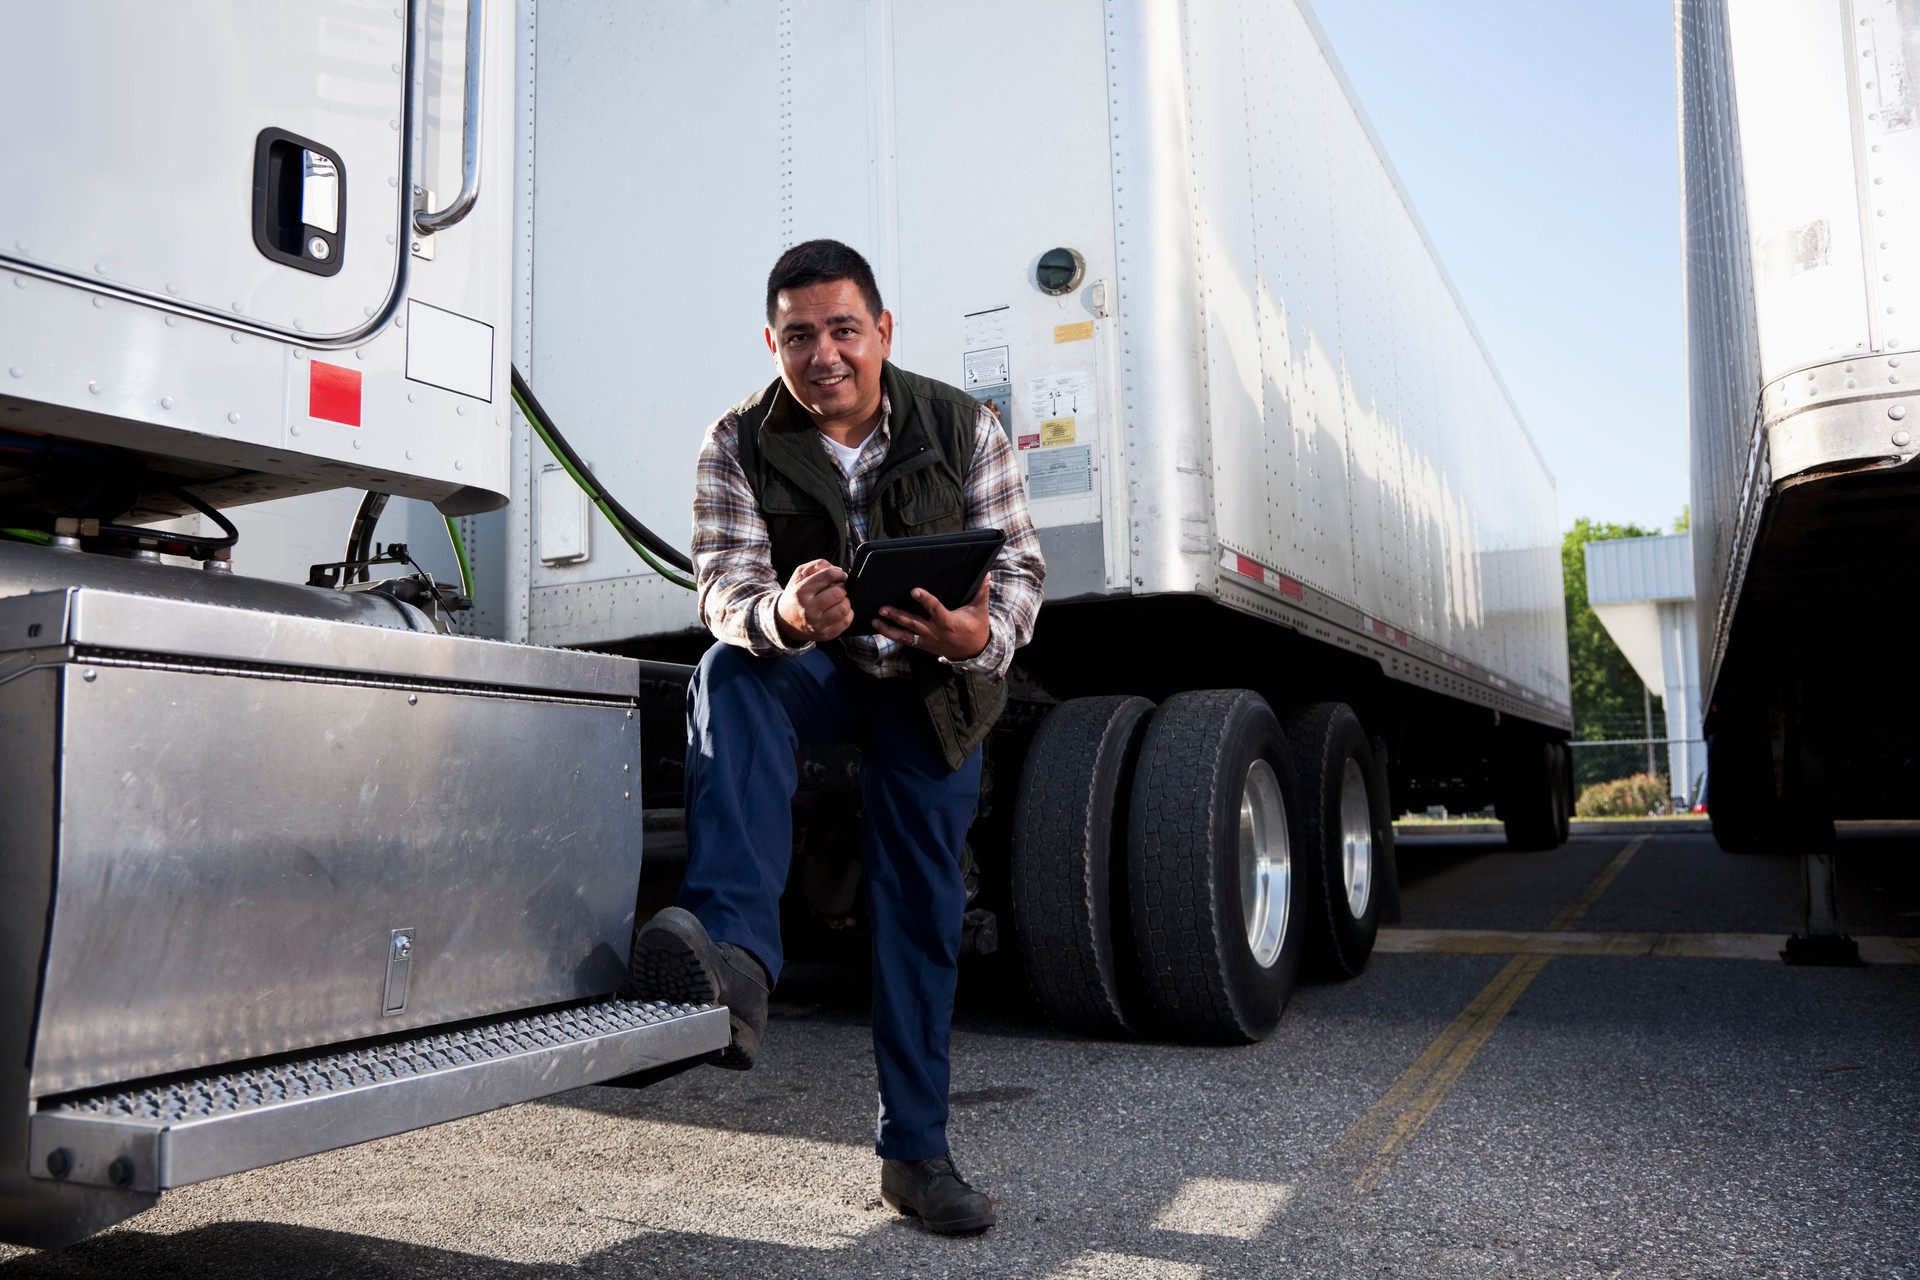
<point x="1528" y="791"/>
<point x="1386" y="859"/>
<point x="1210" y="871"/>
<point x="1338" y="837"/>
<point x="1069" y="861"/>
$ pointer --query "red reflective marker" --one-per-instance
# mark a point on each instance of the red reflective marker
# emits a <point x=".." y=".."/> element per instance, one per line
<point x="333" y="393"/>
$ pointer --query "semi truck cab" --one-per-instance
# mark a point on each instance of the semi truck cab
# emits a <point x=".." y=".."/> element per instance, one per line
<point x="282" y="867"/>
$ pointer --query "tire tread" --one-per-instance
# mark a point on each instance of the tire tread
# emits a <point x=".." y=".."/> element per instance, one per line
<point x="1336" y="947"/>
<point x="1173" y="875"/>
<point x="1067" y="840"/>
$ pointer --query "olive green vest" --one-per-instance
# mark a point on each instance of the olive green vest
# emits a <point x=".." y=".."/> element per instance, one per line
<point x="919" y="488"/>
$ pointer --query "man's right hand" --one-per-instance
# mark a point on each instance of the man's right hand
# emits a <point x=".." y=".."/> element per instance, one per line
<point x="813" y="606"/>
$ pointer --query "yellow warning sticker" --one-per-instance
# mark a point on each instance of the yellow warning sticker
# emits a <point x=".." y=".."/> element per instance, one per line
<point x="1073" y="332"/>
<point x="1056" y="431"/>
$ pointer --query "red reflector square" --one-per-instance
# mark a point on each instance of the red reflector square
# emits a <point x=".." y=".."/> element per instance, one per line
<point x="333" y="393"/>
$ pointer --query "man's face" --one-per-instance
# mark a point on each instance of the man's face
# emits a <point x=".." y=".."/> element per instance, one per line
<point x="830" y="348"/>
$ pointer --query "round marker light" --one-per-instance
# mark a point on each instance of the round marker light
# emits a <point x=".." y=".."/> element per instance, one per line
<point x="1060" y="271"/>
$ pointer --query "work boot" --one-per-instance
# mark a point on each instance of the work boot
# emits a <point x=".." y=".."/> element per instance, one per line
<point x="674" y="960"/>
<point x="934" y="1192"/>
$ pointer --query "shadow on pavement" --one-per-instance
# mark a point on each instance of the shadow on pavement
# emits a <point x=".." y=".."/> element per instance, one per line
<point x="262" y="1249"/>
<point x="249" y="1249"/>
<point x="1421" y="858"/>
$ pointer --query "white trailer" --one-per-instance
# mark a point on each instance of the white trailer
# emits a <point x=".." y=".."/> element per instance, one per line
<point x="1800" y="151"/>
<point x="281" y="868"/>
<point x="1281" y="489"/>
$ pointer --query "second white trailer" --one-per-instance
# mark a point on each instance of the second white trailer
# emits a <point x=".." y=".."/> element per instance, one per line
<point x="1266" y="449"/>
<point x="1800" y="168"/>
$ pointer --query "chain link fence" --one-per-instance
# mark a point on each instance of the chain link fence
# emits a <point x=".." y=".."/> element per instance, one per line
<point x="1682" y="760"/>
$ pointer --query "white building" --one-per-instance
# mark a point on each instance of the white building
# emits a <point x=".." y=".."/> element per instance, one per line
<point x="1642" y="591"/>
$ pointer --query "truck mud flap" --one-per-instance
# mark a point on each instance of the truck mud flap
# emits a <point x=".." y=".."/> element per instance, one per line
<point x="186" y="1130"/>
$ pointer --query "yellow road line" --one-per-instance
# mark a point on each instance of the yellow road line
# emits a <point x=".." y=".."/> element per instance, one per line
<point x="1890" y="950"/>
<point x="1577" y="909"/>
<point x="1685" y="946"/>
<point x="1514" y="942"/>
<point x="1377" y="1139"/>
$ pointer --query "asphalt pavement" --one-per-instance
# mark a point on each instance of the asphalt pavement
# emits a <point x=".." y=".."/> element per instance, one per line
<point x="1580" y="1063"/>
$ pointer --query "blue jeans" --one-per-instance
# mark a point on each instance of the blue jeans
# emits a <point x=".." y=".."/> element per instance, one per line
<point x="745" y="717"/>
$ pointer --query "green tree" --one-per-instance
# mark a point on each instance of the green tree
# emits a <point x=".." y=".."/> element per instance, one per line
<point x="1607" y="693"/>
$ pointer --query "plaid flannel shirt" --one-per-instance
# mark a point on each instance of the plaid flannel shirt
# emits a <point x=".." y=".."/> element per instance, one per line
<point x="733" y="556"/>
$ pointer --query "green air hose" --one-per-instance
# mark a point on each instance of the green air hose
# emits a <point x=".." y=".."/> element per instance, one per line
<point x="649" y="546"/>
<point x="664" y="559"/>
<point x="460" y="554"/>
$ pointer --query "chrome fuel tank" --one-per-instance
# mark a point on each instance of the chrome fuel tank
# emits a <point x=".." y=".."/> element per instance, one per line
<point x="229" y="834"/>
<point x="252" y="806"/>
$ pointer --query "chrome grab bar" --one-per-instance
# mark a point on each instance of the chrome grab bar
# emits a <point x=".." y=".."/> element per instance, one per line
<point x="427" y="223"/>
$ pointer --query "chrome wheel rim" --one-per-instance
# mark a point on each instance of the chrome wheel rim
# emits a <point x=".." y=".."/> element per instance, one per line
<point x="1356" y="838"/>
<point x="1266" y="864"/>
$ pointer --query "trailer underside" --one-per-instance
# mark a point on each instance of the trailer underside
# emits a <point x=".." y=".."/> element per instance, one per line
<point x="1811" y="714"/>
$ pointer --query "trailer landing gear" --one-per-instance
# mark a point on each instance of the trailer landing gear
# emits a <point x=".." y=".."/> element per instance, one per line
<point x="1822" y="943"/>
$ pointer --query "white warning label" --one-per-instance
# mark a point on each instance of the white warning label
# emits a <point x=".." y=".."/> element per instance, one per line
<point x="986" y="368"/>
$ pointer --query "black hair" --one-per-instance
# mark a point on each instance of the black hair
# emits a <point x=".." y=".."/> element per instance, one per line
<point x="821" y="262"/>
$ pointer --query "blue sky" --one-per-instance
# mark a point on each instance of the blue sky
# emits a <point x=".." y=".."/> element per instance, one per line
<point x="1537" y="142"/>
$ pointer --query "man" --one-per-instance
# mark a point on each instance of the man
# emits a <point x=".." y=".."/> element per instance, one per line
<point x="841" y="447"/>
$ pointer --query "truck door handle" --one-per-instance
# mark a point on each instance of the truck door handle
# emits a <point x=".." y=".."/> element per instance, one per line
<point x="299" y="197"/>
<point x="425" y="222"/>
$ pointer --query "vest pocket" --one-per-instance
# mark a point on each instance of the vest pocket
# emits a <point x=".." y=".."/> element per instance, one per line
<point x="778" y="497"/>
<point x="932" y="506"/>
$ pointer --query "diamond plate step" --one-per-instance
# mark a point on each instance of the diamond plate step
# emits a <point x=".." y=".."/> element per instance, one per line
<point x="188" y="1130"/>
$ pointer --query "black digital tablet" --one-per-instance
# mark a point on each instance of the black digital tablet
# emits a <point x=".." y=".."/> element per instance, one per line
<point x="886" y="571"/>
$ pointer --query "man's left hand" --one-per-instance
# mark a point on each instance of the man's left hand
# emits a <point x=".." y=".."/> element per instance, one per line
<point x="953" y="634"/>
